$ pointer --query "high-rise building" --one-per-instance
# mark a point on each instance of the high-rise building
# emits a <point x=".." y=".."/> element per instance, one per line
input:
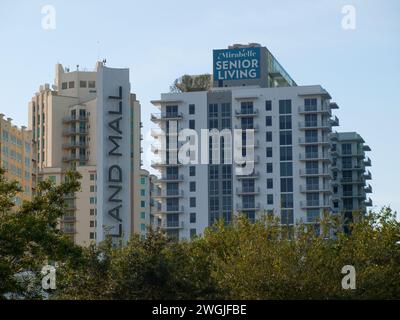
<point x="18" y="157"/>
<point x="89" y="121"/>
<point x="349" y="174"/>
<point x="290" y="151"/>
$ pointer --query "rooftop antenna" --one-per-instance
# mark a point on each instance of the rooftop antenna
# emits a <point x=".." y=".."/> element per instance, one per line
<point x="104" y="61"/>
<point x="77" y="67"/>
<point x="98" y="50"/>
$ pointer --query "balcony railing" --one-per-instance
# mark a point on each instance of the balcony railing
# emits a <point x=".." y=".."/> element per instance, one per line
<point x="248" y="206"/>
<point x="155" y="117"/>
<point x="314" y="141"/>
<point x="173" y="225"/>
<point x="314" y="172"/>
<point x="314" y="204"/>
<point x="246" y="113"/>
<point x="368" y="189"/>
<point x="254" y="175"/>
<point x="367" y="176"/>
<point x="171" y="177"/>
<point x="254" y="127"/>
<point x="71" y="132"/>
<point x="367" y="162"/>
<point x="247" y="191"/>
<point x="334" y="121"/>
<point x="368" y="203"/>
<point x="315" y="125"/>
<point x="75" y="119"/>
<point x="318" y="109"/>
<point x="168" y="194"/>
<point x="314" y="156"/>
<point x="75" y="158"/>
<point x="73" y="145"/>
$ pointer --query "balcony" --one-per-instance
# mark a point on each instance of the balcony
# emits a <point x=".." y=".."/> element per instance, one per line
<point x="315" y="188"/>
<point x="314" y="156"/>
<point x="74" y="145"/>
<point x="334" y="122"/>
<point x="75" y="158"/>
<point x="247" y="191"/>
<point x="171" y="178"/>
<point x="367" y="176"/>
<point x="73" y="132"/>
<point x="159" y="163"/>
<point x="166" y="116"/>
<point x="247" y="207"/>
<point x="75" y="119"/>
<point x="255" y="160"/>
<point x="254" y="175"/>
<point x="176" y="209"/>
<point x="368" y="189"/>
<point x="324" y="125"/>
<point x="319" y="109"/>
<point x="366" y="148"/>
<point x="68" y="218"/>
<point x="162" y="149"/>
<point x="247" y="127"/>
<point x="323" y="141"/>
<point x="314" y="204"/>
<point x="246" y="113"/>
<point x="68" y="230"/>
<point x="254" y="144"/>
<point x="351" y="180"/>
<point x="168" y="194"/>
<point x="172" y="225"/>
<point x="368" y="203"/>
<point x="314" y="173"/>
<point x="367" y="162"/>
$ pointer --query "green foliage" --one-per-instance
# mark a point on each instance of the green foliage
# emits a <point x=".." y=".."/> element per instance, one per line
<point x="242" y="260"/>
<point x="29" y="237"/>
<point x="188" y="83"/>
<point x="247" y="261"/>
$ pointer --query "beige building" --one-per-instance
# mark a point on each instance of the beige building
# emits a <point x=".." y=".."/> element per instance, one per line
<point x="63" y="119"/>
<point x="17" y="156"/>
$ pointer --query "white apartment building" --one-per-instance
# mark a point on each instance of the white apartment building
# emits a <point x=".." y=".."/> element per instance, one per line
<point x="292" y="126"/>
<point x="89" y="121"/>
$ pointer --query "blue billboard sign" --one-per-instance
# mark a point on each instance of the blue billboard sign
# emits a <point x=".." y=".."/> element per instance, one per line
<point x="236" y="64"/>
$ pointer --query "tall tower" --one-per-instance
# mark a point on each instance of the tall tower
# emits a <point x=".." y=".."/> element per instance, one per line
<point x="89" y="121"/>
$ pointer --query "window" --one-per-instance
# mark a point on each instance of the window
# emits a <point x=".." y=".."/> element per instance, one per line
<point x="285" y="138"/>
<point x="92" y="200"/>
<point x="92" y="235"/>
<point x="286" y="153"/>
<point x="142" y="227"/>
<point x="286" y="184"/>
<point x="225" y="110"/>
<point x="246" y="107"/>
<point x="142" y="180"/>
<point x="192" y="171"/>
<point x="213" y="110"/>
<point x="71" y="84"/>
<point x="192" y="186"/>
<point x="287" y="200"/>
<point x="92" y="212"/>
<point x="270" y="199"/>
<point x="142" y="204"/>
<point x="191" y="108"/>
<point x="312" y="167"/>
<point x="192" y="233"/>
<point x="285" y="122"/>
<point x="193" y="217"/>
<point x="346" y="148"/>
<point x="268" y="136"/>
<point x="191" y="124"/>
<point x="91" y="84"/>
<point x="82" y="84"/>
<point x="287" y="216"/>
<point x="285" y="106"/>
<point x="92" y="177"/>
<point x="347" y="162"/>
<point x="142" y="192"/>
<point x="192" y="202"/>
<point x="310" y="104"/>
<point x="92" y="188"/>
<point x="286" y="169"/>
<point x="269" y="152"/>
<point x="143" y="215"/>
<point x="269" y="167"/>
<point x="313" y="215"/>
<point x="269" y="183"/>
<point x="313" y="199"/>
<point x="268" y="105"/>
<point x="268" y="121"/>
<point x="91" y="224"/>
<point x="64" y="85"/>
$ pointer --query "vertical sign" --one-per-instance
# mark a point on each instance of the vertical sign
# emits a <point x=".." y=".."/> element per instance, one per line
<point x="113" y="134"/>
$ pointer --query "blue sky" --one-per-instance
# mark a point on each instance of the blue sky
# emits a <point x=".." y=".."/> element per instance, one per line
<point x="161" y="40"/>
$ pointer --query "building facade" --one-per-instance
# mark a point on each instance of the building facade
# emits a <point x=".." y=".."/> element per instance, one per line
<point x="18" y="157"/>
<point x="283" y="129"/>
<point x="89" y="121"/>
